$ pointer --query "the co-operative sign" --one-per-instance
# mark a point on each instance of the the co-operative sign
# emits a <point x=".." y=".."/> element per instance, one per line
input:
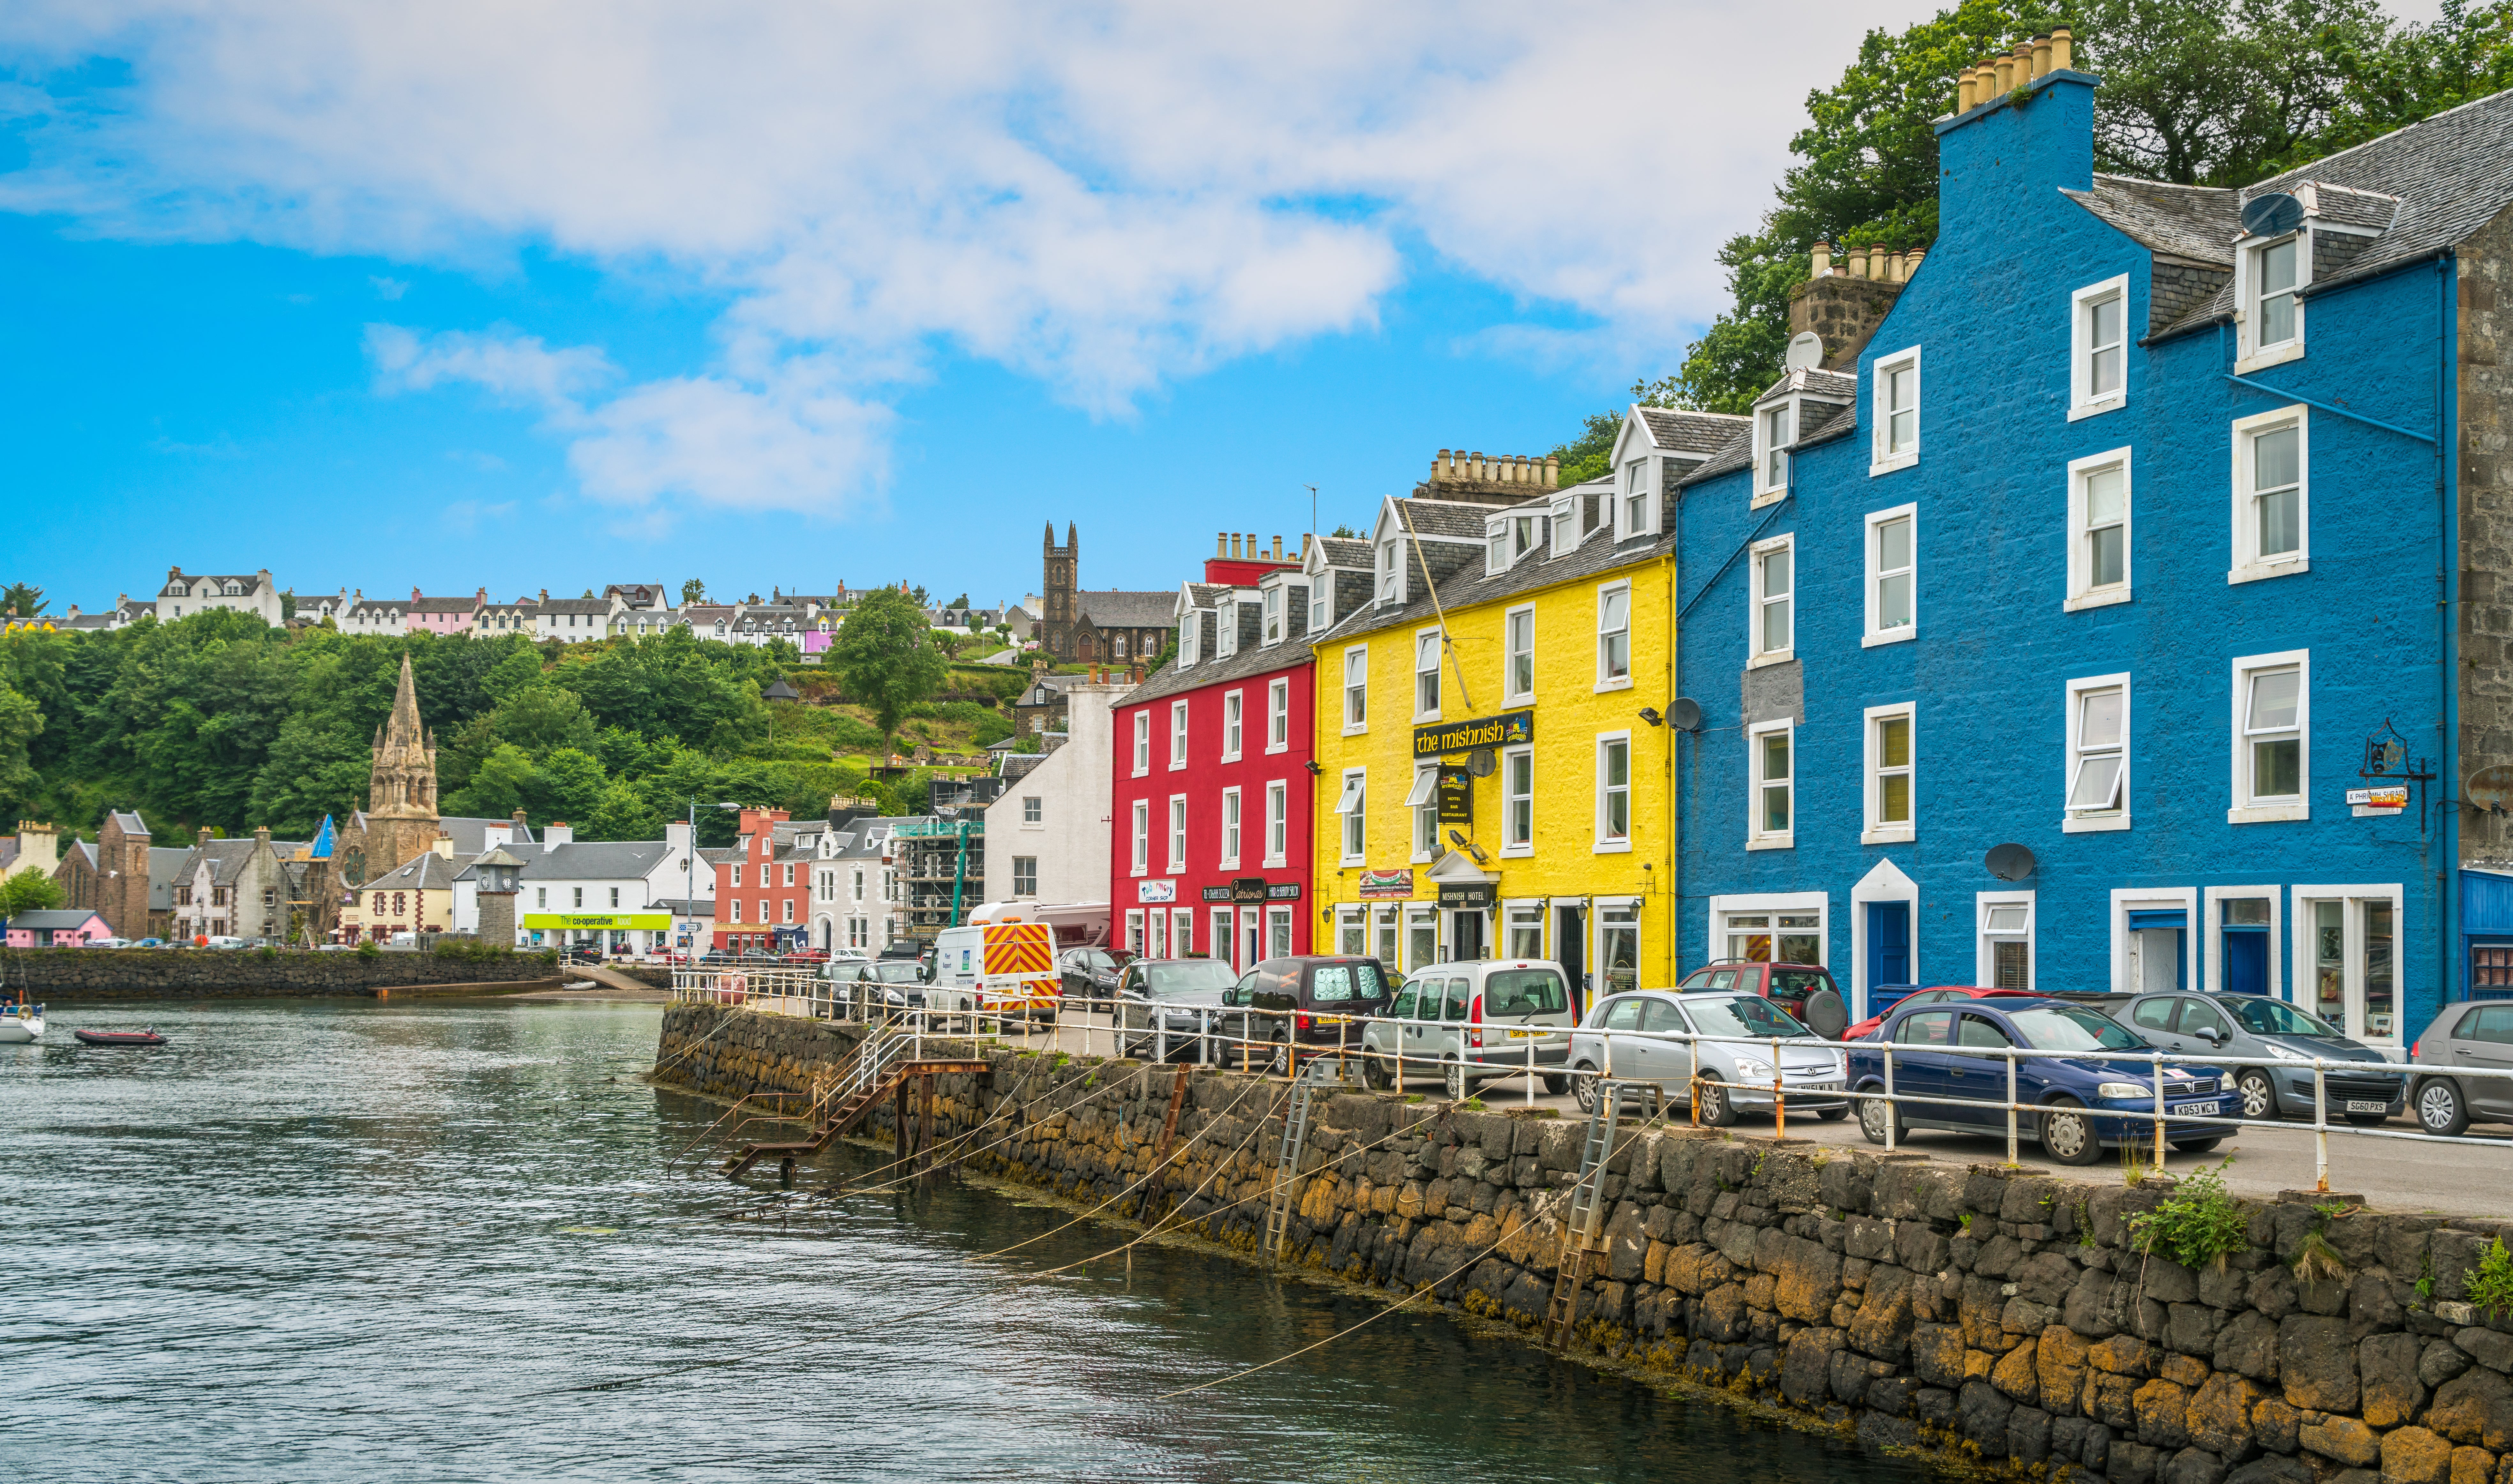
<point x="1507" y="729"/>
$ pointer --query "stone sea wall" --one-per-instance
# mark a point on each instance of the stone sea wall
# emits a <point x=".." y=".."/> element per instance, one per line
<point x="1994" y="1317"/>
<point x="59" y="974"/>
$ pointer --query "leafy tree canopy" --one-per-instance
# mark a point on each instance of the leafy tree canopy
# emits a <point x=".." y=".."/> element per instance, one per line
<point x="23" y="598"/>
<point x="693" y="591"/>
<point x="884" y="657"/>
<point x="28" y="890"/>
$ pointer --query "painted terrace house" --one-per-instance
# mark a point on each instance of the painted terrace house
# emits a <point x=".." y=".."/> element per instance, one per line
<point x="1214" y="789"/>
<point x="2116" y="533"/>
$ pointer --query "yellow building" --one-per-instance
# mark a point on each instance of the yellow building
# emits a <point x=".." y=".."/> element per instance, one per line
<point x="1493" y="679"/>
<point x="415" y="897"/>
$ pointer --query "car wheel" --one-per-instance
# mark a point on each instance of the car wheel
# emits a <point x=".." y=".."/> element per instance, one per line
<point x="1876" y="1117"/>
<point x="1376" y="1074"/>
<point x="1555" y="1082"/>
<point x="1456" y="1074"/>
<point x="2439" y="1109"/>
<point x="1583" y="1088"/>
<point x="2068" y="1134"/>
<point x="2197" y="1146"/>
<point x="1710" y="1102"/>
<point x="2259" y="1099"/>
<point x="1281" y="1062"/>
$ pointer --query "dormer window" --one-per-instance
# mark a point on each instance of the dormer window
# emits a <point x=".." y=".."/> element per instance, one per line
<point x="1639" y="517"/>
<point x="2278" y="320"/>
<point x="1773" y="429"/>
<point x="1391" y="572"/>
<point x="1188" y="633"/>
<point x="1225" y="632"/>
<point x="1322" y="603"/>
<point x="1566" y="524"/>
<point x="1274" y="615"/>
<point x="2273" y="274"/>
<point x="1495" y="545"/>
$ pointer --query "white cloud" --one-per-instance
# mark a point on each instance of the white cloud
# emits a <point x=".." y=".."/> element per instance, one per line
<point x="515" y="367"/>
<point x="1103" y="198"/>
<point x="388" y="288"/>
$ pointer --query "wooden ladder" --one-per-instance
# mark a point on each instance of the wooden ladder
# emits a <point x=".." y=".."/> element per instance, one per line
<point x="1582" y="1228"/>
<point x="1287" y="1165"/>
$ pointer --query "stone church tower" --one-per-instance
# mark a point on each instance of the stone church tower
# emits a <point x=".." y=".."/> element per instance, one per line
<point x="1063" y="570"/>
<point x="401" y="791"/>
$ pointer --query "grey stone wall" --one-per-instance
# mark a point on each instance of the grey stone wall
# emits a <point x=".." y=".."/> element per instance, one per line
<point x="1982" y="1315"/>
<point x="137" y="973"/>
<point x="2486" y="476"/>
<point x="2176" y="288"/>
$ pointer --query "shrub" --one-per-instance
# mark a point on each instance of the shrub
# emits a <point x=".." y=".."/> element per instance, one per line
<point x="2490" y="1283"/>
<point x="2198" y="1224"/>
<point x="367" y="950"/>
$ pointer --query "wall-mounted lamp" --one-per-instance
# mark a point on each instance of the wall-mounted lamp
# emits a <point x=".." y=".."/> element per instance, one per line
<point x="1650" y="714"/>
<point x="1312" y="766"/>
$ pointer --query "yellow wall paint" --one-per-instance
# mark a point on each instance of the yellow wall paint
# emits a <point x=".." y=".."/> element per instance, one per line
<point x="1570" y="713"/>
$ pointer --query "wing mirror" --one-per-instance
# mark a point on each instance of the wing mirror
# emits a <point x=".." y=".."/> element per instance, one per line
<point x="2211" y="1035"/>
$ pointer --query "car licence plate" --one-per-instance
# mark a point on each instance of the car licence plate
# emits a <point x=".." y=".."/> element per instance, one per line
<point x="2360" y="1105"/>
<point x="2197" y="1110"/>
<point x="1520" y="1036"/>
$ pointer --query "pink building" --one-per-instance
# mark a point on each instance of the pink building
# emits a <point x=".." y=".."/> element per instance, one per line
<point x="445" y="615"/>
<point x="57" y="927"/>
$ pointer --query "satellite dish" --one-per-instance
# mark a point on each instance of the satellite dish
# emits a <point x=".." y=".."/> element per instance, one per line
<point x="1806" y="351"/>
<point x="2010" y="863"/>
<point x="1481" y="763"/>
<point x="2271" y="215"/>
<point x="2490" y="788"/>
<point x="1684" y="713"/>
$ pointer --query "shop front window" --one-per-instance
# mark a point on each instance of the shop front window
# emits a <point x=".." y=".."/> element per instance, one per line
<point x="1753" y="937"/>
<point x="1618" y="946"/>
<point x="1421" y="938"/>
<point x="1526" y="929"/>
<point x="2329" y="962"/>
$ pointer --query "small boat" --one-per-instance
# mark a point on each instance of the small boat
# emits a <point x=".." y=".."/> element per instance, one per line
<point x="21" y="1023"/>
<point x="120" y="1037"/>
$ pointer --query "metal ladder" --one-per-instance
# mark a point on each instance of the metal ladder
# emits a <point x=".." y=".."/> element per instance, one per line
<point x="1318" y="1073"/>
<point x="1581" y="1225"/>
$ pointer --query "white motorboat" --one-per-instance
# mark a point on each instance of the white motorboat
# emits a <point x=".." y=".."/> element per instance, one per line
<point x="21" y="1023"/>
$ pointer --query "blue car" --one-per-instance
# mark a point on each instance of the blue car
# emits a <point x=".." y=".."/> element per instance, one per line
<point x="1951" y="1051"/>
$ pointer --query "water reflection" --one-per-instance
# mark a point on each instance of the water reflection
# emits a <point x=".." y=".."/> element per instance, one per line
<point x="313" y="1241"/>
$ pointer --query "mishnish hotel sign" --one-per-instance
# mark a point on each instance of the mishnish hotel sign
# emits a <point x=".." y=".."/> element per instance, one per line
<point x="1508" y="729"/>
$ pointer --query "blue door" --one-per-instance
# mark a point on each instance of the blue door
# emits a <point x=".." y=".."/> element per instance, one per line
<point x="2247" y="960"/>
<point x="1889" y="944"/>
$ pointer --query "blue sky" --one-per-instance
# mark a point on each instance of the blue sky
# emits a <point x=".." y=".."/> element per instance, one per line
<point x="552" y="294"/>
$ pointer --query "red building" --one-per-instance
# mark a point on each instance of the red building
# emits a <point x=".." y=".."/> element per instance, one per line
<point x="1209" y="854"/>
<point x="763" y="885"/>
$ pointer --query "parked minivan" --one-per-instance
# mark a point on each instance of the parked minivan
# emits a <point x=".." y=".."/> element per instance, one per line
<point x="1475" y="1019"/>
<point x="1305" y="1005"/>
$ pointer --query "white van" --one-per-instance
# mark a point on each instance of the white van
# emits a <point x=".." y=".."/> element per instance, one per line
<point x="961" y="984"/>
<point x="1488" y="1018"/>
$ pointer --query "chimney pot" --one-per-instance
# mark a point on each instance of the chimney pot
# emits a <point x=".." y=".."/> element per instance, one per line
<point x="1858" y="261"/>
<point x="1278" y="548"/>
<point x="1823" y="261"/>
<point x="2060" y="49"/>
<point x="1552" y="471"/>
<point x="1965" y="90"/>
<point x="2007" y="78"/>
<point x="2041" y="55"/>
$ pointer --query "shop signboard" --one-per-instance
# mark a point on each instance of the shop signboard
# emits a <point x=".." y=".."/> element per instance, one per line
<point x="1386" y="885"/>
<point x="1468" y="896"/>
<point x="1456" y="796"/>
<point x="1156" y="891"/>
<point x="599" y="921"/>
<point x="1508" y="729"/>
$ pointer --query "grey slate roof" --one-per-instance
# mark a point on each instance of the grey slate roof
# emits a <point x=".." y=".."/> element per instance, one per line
<point x="130" y="823"/>
<point x="165" y="868"/>
<point x="1683" y="432"/>
<point x="549" y="606"/>
<point x="1127" y="611"/>
<point x="2199" y="222"/>
<point x="1344" y="551"/>
<point x="595" y="860"/>
<point x="51" y="918"/>
<point x="1249" y="661"/>
<point x="1446" y="518"/>
<point x="471" y="836"/>
<point x="429" y="872"/>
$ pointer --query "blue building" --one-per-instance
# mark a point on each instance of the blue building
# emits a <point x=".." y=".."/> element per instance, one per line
<point x="2124" y="528"/>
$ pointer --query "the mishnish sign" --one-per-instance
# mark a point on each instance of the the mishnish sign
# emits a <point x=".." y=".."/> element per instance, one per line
<point x="1508" y="729"/>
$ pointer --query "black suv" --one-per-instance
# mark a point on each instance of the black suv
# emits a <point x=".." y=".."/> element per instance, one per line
<point x="1304" y="1006"/>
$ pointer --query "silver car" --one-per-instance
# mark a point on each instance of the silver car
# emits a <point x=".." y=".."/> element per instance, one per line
<point x="2231" y="1024"/>
<point x="2475" y="1035"/>
<point x="1488" y="1018"/>
<point x="1735" y="1075"/>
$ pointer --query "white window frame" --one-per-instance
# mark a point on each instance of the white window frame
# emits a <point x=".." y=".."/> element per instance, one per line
<point x="1875" y="634"/>
<point x="2249" y="566"/>
<point x="1755" y="655"/>
<point x="1352" y="824"/>
<point x="1271" y="632"/>
<point x="2304" y="992"/>
<point x="1142" y="742"/>
<point x="2212" y="952"/>
<point x="2082" y="593"/>
<point x="1190" y="633"/>
<point x="1391" y="572"/>
<point x="1017" y="862"/>
<point x="1636" y="502"/>
<point x="1135" y="930"/>
<point x="1356" y="691"/>
<point x="2254" y="356"/>
<point x="1278" y="822"/>
<point x="1278" y="716"/>
<point x="1033" y="811"/>
<point x="1495" y="545"/>
<point x="1234" y="705"/>
<point x="1512" y="841"/>
<point x="1771" y="451"/>
<point x="1876" y="828"/>
<point x="1178" y="735"/>
<point x="1516" y="623"/>
<point x="1231" y="823"/>
<point x="2126" y="900"/>
<point x="1177" y="834"/>
<point x="1605" y="592"/>
<point x="1424" y="801"/>
<point x="2072" y="753"/>
<point x="1426" y="639"/>
<point x="1756" y="837"/>
<point x="1225" y="630"/>
<point x="1605" y="843"/>
<point x="2246" y="808"/>
<point x="1984" y="951"/>
<point x="1321" y="602"/>
<point x="1562" y="527"/>
<point x="1884" y="458"/>
<point x="2082" y="398"/>
<point x="1141" y="858"/>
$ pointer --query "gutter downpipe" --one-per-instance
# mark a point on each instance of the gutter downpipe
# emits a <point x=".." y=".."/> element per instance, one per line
<point x="2448" y="498"/>
<point x="1674" y="814"/>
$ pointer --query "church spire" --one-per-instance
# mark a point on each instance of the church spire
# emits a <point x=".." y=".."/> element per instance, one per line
<point x="403" y="725"/>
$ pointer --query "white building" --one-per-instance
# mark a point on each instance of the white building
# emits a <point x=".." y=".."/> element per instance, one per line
<point x="609" y="894"/>
<point x="1047" y="837"/>
<point x="856" y="905"/>
<point x="184" y="593"/>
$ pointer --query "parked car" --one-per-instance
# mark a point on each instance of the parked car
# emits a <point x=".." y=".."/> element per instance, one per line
<point x="886" y="984"/>
<point x="1304" y="1005"/>
<point x="224" y="942"/>
<point x="110" y="943"/>
<point x="1934" y="995"/>
<point x="1181" y="996"/>
<point x="1804" y="989"/>
<point x="328" y="948"/>
<point x="1949" y="1053"/>
<point x="1734" y="1077"/>
<point x="1473" y="1021"/>
<point x="1091" y="973"/>
<point x="151" y="943"/>
<point x="2477" y="1035"/>
<point x="2230" y="1024"/>
<point x="579" y="953"/>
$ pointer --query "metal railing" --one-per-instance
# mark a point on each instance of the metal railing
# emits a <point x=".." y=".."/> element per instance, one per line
<point x="1242" y="1039"/>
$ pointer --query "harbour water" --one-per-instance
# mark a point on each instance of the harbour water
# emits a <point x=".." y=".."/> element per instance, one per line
<point x="350" y="1240"/>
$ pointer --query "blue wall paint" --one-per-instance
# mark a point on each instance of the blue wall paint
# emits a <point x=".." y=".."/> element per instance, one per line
<point x="1990" y="310"/>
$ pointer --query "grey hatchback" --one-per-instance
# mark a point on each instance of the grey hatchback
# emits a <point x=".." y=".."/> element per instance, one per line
<point x="2231" y="1024"/>
<point x="2474" y="1035"/>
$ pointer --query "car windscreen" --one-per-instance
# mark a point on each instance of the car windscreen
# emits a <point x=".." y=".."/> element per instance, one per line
<point x="1162" y="981"/>
<point x="2072" y="1028"/>
<point x="1745" y="1015"/>
<point x="1525" y="992"/>
<point x="2268" y="1017"/>
<point x="897" y="971"/>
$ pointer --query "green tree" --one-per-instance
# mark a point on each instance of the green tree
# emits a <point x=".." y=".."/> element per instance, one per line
<point x="505" y="781"/>
<point x="22" y="599"/>
<point x="20" y="723"/>
<point x="693" y="591"/>
<point x="2465" y="55"/>
<point x="885" y="659"/>
<point x="541" y="718"/>
<point x="28" y="890"/>
<point x="1589" y="455"/>
<point x="572" y="785"/>
<point x="620" y="814"/>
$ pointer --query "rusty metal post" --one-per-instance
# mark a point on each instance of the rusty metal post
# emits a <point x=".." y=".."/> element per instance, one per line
<point x="2320" y="1127"/>
<point x="2158" y="1060"/>
<point x="1780" y="1095"/>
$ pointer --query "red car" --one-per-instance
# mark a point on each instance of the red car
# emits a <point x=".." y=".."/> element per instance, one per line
<point x="1804" y="989"/>
<point x="1934" y="995"/>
